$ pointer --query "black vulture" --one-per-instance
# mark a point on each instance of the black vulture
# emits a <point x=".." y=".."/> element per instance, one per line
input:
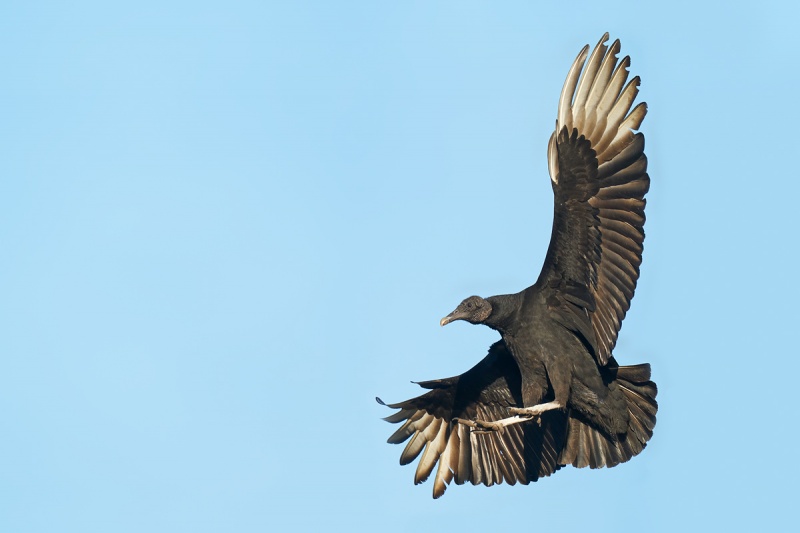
<point x="550" y="392"/>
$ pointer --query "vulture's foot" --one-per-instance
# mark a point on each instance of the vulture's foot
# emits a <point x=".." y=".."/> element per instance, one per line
<point x="481" y="426"/>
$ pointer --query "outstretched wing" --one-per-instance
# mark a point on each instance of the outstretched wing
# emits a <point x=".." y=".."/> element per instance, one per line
<point x="599" y="176"/>
<point x="522" y="453"/>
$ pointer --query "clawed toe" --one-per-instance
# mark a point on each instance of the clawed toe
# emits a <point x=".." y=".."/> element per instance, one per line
<point x="481" y="426"/>
<point x="488" y="427"/>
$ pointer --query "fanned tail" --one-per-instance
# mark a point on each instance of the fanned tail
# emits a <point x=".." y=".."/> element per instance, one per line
<point x="587" y="446"/>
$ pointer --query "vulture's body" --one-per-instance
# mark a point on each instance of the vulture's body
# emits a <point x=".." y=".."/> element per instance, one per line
<point x="550" y="393"/>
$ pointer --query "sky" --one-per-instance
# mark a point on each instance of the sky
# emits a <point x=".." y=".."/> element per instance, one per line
<point x="226" y="227"/>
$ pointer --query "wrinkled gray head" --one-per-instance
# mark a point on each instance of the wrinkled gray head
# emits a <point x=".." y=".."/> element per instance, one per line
<point x="474" y="310"/>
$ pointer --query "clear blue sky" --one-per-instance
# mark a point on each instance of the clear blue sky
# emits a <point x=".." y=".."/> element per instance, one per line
<point x="226" y="227"/>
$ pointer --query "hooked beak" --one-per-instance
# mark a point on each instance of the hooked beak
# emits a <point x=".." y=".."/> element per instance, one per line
<point x="450" y="318"/>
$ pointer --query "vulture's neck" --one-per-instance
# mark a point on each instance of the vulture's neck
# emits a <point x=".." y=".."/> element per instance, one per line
<point x="504" y="308"/>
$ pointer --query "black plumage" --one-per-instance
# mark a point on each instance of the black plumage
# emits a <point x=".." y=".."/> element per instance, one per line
<point x="550" y="393"/>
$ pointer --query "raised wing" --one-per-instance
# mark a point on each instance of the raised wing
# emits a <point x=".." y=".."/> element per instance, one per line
<point x="599" y="176"/>
<point x="521" y="454"/>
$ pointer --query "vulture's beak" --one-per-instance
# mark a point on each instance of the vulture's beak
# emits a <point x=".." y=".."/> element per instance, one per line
<point x="449" y="318"/>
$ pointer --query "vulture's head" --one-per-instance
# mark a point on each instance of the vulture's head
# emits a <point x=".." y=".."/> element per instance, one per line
<point x="474" y="310"/>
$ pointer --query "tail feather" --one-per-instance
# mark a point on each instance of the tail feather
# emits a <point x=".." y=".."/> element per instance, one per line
<point x="635" y="374"/>
<point x="588" y="446"/>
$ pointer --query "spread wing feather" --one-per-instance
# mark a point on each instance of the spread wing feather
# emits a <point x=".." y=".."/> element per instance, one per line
<point x="521" y="454"/>
<point x="599" y="176"/>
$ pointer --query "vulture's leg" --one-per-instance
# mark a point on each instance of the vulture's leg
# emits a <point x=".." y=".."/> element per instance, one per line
<point x="482" y="426"/>
<point x="536" y="410"/>
<point x="524" y="414"/>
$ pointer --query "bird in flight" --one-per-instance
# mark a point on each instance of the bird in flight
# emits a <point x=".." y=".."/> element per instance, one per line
<point x="550" y="392"/>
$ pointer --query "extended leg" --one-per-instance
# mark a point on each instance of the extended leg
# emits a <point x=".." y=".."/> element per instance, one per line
<point x="523" y="414"/>
<point x="536" y="410"/>
<point x="482" y="426"/>
<point x="559" y="379"/>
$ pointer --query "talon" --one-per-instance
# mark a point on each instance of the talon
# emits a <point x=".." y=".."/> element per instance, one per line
<point x="464" y="421"/>
<point x="488" y="427"/>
